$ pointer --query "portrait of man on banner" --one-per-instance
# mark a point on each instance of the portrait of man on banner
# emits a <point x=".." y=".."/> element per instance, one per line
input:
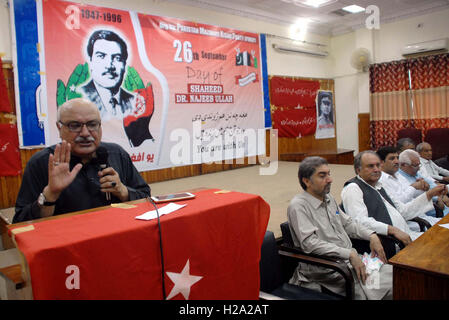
<point x="325" y="125"/>
<point x="124" y="103"/>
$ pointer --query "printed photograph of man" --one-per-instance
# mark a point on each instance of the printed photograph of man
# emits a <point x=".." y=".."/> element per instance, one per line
<point x="107" y="58"/>
<point x="325" y="116"/>
<point x="107" y="64"/>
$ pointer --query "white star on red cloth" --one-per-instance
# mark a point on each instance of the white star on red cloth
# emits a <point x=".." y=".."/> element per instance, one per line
<point x="183" y="281"/>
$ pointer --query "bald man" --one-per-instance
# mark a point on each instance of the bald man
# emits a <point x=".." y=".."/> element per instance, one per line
<point x="67" y="177"/>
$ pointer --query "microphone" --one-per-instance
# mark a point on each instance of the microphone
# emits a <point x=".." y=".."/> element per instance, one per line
<point x="102" y="159"/>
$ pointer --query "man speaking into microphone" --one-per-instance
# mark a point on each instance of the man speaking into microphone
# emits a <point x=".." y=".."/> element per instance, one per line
<point x="71" y="176"/>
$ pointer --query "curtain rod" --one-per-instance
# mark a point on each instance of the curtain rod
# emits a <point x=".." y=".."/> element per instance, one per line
<point x="291" y="39"/>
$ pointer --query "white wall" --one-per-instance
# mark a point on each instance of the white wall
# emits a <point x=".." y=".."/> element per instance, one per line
<point x="351" y="88"/>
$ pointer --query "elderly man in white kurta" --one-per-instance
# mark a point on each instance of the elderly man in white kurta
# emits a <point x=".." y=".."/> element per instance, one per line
<point x="318" y="227"/>
<point x="397" y="186"/>
<point x="428" y="167"/>
<point x="391" y="215"/>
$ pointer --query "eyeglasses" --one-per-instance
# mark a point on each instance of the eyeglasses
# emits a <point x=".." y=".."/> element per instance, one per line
<point x="415" y="165"/>
<point x="75" y="126"/>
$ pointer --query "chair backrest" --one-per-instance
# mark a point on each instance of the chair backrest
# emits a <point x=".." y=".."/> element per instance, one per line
<point x="438" y="138"/>
<point x="286" y="234"/>
<point x="412" y="133"/>
<point x="443" y="162"/>
<point x="270" y="264"/>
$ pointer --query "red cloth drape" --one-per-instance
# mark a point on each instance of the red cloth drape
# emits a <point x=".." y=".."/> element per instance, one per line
<point x="9" y="150"/>
<point x="5" y="105"/>
<point x="293" y="106"/>
<point x="118" y="257"/>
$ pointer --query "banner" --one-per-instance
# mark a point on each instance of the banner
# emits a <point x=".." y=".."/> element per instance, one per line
<point x="27" y="81"/>
<point x="171" y="92"/>
<point x="293" y="106"/>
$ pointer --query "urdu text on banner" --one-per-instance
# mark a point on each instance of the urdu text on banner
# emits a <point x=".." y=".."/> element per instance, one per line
<point x="293" y="106"/>
<point x="166" y="88"/>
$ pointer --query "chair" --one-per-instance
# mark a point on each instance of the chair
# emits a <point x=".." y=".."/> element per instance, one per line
<point x="412" y="133"/>
<point x="438" y="138"/>
<point x="326" y="262"/>
<point x="443" y="162"/>
<point x="6" y="216"/>
<point x="276" y="267"/>
<point x="388" y="242"/>
<point x="11" y="280"/>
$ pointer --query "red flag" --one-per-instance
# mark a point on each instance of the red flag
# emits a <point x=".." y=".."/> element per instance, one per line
<point x="211" y="251"/>
<point x="9" y="150"/>
<point x="5" y="105"/>
<point x="291" y="92"/>
<point x="137" y="123"/>
<point x="294" y="123"/>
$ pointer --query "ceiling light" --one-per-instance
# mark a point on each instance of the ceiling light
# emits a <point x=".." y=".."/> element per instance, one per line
<point x="299" y="29"/>
<point x="353" y="9"/>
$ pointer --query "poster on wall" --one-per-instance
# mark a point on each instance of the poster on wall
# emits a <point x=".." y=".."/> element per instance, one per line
<point x="325" y="125"/>
<point x="293" y="106"/>
<point x="169" y="91"/>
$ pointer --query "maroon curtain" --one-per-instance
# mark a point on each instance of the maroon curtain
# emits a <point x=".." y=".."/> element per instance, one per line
<point x="394" y="105"/>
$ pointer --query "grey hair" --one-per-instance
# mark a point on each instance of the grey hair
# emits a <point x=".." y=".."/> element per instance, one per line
<point x="405" y="157"/>
<point x="73" y="103"/>
<point x="420" y="146"/>
<point x="358" y="159"/>
<point x="403" y="142"/>
<point x="307" y="168"/>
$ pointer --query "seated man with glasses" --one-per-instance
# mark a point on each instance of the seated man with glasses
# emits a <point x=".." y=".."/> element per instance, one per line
<point x="67" y="177"/>
<point x="409" y="173"/>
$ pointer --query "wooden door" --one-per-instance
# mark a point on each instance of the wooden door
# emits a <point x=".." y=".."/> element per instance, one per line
<point x="364" y="135"/>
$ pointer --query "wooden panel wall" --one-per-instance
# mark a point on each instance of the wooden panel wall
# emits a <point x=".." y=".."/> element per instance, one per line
<point x="308" y="144"/>
<point x="9" y="186"/>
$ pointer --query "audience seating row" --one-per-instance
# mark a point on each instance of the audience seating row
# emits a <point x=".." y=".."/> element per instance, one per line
<point x="436" y="137"/>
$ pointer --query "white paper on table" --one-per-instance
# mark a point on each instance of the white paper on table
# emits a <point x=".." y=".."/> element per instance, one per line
<point x="446" y="225"/>
<point x="169" y="208"/>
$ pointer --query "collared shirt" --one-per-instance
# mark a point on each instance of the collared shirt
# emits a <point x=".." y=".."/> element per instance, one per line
<point x="352" y="197"/>
<point x="432" y="169"/>
<point x="84" y="192"/>
<point x="112" y="110"/>
<point x="319" y="227"/>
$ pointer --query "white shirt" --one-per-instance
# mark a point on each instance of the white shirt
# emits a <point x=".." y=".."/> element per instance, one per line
<point x="111" y="111"/>
<point x="352" y="197"/>
<point x="432" y="170"/>
<point x="398" y="187"/>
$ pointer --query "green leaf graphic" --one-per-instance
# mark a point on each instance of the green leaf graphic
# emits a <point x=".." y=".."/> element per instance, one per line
<point x="60" y="92"/>
<point x="79" y="75"/>
<point x="133" y="80"/>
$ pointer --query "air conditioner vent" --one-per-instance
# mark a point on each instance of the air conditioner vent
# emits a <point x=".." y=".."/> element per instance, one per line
<point x="340" y="12"/>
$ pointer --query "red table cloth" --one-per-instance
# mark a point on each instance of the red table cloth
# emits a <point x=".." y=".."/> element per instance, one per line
<point x="211" y="250"/>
